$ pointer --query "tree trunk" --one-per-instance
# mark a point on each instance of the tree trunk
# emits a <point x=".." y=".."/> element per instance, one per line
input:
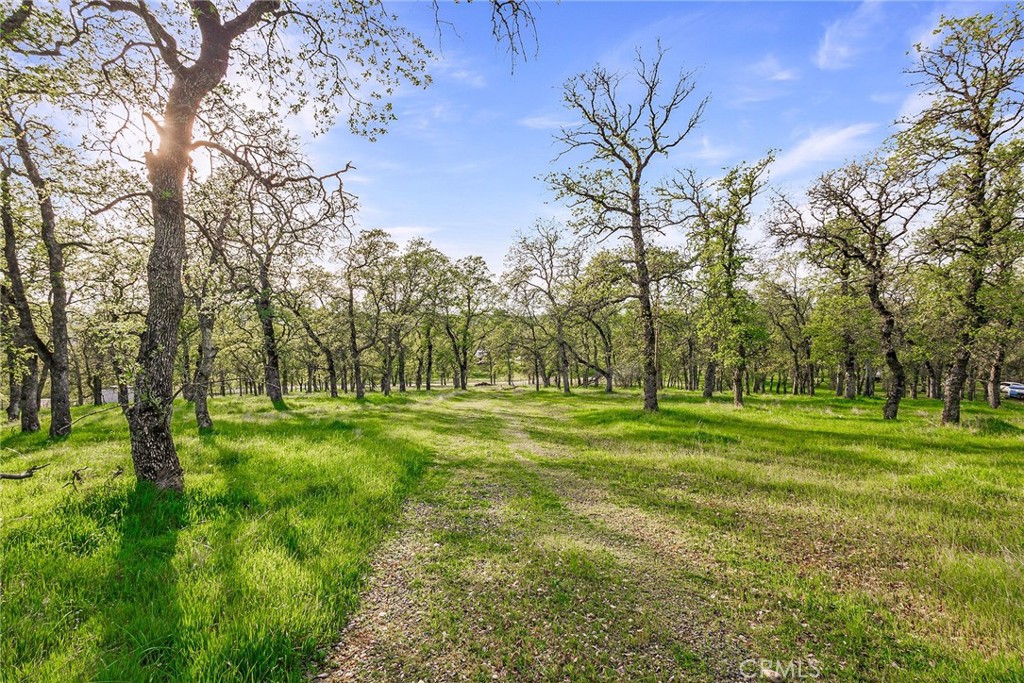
<point x="97" y="390"/>
<point x="737" y="386"/>
<point x="995" y="376"/>
<point x="953" y="390"/>
<point x="27" y="397"/>
<point x="24" y="333"/>
<point x="79" y="388"/>
<point x="41" y="385"/>
<point x="709" y="379"/>
<point x="13" y="388"/>
<point x="149" y="418"/>
<point x="187" y="388"/>
<point x="608" y="376"/>
<point x="204" y="370"/>
<point x="385" y="379"/>
<point x="271" y="353"/>
<point x="650" y="341"/>
<point x="401" y="368"/>
<point x="850" y="376"/>
<point x="58" y="359"/>
<point x="563" y="357"/>
<point x="430" y="361"/>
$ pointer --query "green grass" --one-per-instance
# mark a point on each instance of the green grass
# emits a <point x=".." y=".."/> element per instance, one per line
<point x="547" y="538"/>
<point x="246" y="577"/>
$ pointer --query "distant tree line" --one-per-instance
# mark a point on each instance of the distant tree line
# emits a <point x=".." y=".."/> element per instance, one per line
<point x="227" y="264"/>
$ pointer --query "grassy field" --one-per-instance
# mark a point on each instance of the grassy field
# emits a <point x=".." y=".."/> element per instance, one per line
<point x="518" y="536"/>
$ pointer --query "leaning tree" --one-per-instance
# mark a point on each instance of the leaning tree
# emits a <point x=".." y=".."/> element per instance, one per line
<point x="861" y="217"/>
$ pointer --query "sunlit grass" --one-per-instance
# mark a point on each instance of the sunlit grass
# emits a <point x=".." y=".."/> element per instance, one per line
<point x="797" y="526"/>
<point x="246" y="577"/>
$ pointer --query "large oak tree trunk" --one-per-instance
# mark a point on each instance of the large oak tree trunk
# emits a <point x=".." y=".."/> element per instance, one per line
<point x="650" y="340"/>
<point x="149" y="417"/>
<point x="954" y="386"/>
<point x="850" y="375"/>
<point x="888" y="334"/>
<point x="58" y="357"/>
<point x="97" y="390"/>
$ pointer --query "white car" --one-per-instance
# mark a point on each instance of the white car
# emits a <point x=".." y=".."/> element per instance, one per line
<point x="1012" y="389"/>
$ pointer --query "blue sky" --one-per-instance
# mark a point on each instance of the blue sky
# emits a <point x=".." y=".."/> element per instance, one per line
<point x="463" y="164"/>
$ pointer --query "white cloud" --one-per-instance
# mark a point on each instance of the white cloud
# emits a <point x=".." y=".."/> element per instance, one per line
<point x="770" y="68"/>
<point x="546" y="121"/>
<point x="471" y="78"/>
<point x="458" y="69"/>
<point x="711" y="152"/>
<point x="884" y="97"/>
<point x="823" y="145"/>
<point x="845" y="38"/>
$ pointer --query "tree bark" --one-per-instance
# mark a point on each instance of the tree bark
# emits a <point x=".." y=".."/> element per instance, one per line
<point x="888" y="334"/>
<point x="79" y="387"/>
<point x="27" y="397"/>
<point x="97" y="390"/>
<point x="187" y="376"/>
<point x="953" y="390"/>
<point x="709" y="379"/>
<point x="354" y="350"/>
<point x="563" y="357"/>
<point x="737" y="386"/>
<point x="995" y="376"/>
<point x="401" y="368"/>
<point x="650" y="341"/>
<point x="385" y="379"/>
<point x="13" y="387"/>
<point x="850" y="375"/>
<point x="58" y="358"/>
<point x="271" y="353"/>
<point x="430" y="361"/>
<point x="204" y="370"/>
<point x="149" y="417"/>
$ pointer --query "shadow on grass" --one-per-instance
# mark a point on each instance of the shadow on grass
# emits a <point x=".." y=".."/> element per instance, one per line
<point x="140" y="612"/>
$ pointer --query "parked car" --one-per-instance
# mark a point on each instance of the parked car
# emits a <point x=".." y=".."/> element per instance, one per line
<point x="1012" y="390"/>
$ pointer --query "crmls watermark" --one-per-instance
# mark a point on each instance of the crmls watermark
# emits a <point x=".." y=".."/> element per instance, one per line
<point x="773" y="670"/>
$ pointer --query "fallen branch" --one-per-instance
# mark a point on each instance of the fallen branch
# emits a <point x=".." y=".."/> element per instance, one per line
<point x="23" y="475"/>
<point x="76" y="478"/>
